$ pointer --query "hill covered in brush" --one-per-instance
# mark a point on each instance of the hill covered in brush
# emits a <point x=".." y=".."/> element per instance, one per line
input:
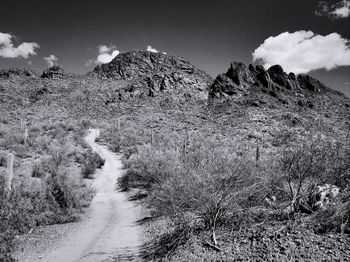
<point x="248" y="134"/>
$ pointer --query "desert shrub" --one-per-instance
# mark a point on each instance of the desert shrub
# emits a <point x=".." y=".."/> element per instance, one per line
<point x="148" y="167"/>
<point x="59" y="152"/>
<point x="123" y="141"/>
<point x="68" y="192"/>
<point x="166" y="244"/>
<point x="90" y="162"/>
<point x="297" y="173"/>
<point x="14" y="218"/>
<point x="38" y="170"/>
<point x="43" y="143"/>
<point x="196" y="184"/>
<point x="295" y="176"/>
<point x="42" y="167"/>
<point x="85" y="123"/>
<point x="210" y="185"/>
<point x="12" y="138"/>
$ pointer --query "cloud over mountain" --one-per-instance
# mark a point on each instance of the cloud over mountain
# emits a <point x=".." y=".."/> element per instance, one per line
<point x="51" y="60"/>
<point x="8" y="50"/>
<point x="106" y="54"/>
<point x="304" y="51"/>
<point x="151" y="49"/>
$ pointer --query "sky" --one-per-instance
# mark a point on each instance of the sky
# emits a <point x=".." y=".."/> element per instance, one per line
<point x="304" y="36"/>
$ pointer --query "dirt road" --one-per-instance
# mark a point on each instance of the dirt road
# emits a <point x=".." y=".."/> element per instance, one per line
<point x="109" y="231"/>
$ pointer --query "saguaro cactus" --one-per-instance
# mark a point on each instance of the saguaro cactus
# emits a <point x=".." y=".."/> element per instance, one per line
<point x="152" y="137"/>
<point x="25" y="134"/>
<point x="118" y="125"/>
<point x="257" y="153"/>
<point x="9" y="173"/>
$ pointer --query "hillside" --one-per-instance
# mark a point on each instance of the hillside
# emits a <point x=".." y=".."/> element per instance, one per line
<point x="181" y="131"/>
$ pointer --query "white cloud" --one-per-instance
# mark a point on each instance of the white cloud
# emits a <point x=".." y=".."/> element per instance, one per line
<point x="338" y="10"/>
<point x="105" y="54"/>
<point x="151" y="49"/>
<point x="51" y="60"/>
<point x="303" y="51"/>
<point x="8" y="50"/>
<point x="343" y="10"/>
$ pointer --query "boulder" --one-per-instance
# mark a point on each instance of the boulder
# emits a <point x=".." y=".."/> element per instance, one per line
<point x="279" y="76"/>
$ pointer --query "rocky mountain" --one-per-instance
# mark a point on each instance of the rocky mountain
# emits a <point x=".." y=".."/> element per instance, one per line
<point x="150" y="73"/>
<point x="144" y="84"/>
<point x="239" y="78"/>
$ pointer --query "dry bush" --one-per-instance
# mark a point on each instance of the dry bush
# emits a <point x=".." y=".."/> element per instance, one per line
<point x="123" y="139"/>
<point x="300" y="169"/>
<point x="148" y="167"/>
<point x="90" y="161"/>
<point x="210" y="185"/>
<point x="195" y="183"/>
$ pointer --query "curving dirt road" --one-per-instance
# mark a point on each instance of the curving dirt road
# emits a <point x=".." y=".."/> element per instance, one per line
<point x="109" y="232"/>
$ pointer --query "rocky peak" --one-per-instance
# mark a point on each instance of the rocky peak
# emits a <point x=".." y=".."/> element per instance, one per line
<point x="240" y="74"/>
<point x="53" y="72"/>
<point x="140" y="63"/>
<point x="150" y="73"/>
<point x="239" y="79"/>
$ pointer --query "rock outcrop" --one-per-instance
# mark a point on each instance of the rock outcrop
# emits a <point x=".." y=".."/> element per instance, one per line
<point x="53" y="72"/>
<point x="239" y="78"/>
<point x="149" y="74"/>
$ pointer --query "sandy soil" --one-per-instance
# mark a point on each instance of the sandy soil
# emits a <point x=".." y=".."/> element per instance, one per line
<point x="109" y="231"/>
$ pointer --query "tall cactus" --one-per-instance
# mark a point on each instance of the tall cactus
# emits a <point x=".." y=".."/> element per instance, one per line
<point x="152" y="137"/>
<point x="25" y="134"/>
<point x="118" y="125"/>
<point x="9" y="173"/>
<point x="257" y="154"/>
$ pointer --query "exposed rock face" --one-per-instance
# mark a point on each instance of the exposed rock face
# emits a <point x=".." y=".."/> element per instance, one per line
<point x="53" y="72"/>
<point x="239" y="78"/>
<point x="150" y="73"/>
<point x="240" y="74"/>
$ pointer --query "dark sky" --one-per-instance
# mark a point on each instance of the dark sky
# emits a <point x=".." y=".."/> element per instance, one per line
<point x="210" y="34"/>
